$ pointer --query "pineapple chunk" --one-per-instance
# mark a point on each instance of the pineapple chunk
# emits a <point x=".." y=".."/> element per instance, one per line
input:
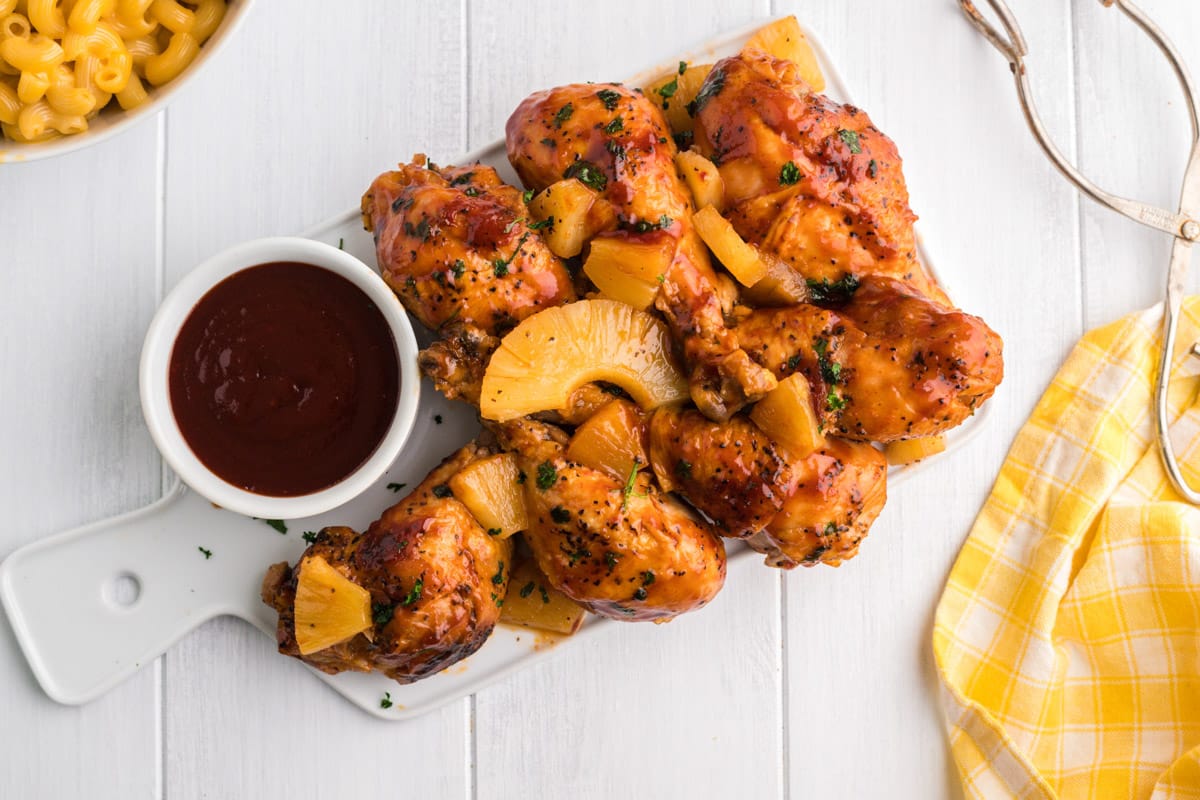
<point x="738" y="257"/>
<point x="612" y="440"/>
<point x="912" y="450"/>
<point x="702" y="178"/>
<point x="782" y="286"/>
<point x="629" y="269"/>
<point x="577" y="213"/>
<point x="784" y="39"/>
<point x="786" y="415"/>
<point x="533" y="603"/>
<point x="329" y="607"/>
<point x="549" y="355"/>
<point x="490" y="490"/>
<point x="672" y="93"/>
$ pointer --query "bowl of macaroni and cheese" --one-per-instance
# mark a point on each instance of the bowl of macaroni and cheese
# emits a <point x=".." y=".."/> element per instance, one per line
<point x="75" y="73"/>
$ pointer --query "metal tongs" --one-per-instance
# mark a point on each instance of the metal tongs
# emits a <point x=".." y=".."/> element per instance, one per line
<point x="1183" y="225"/>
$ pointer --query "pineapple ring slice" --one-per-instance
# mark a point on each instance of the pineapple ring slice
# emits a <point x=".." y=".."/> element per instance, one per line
<point x="554" y="352"/>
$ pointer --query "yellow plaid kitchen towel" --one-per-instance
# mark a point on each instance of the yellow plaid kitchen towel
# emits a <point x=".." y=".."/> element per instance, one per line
<point x="1068" y="636"/>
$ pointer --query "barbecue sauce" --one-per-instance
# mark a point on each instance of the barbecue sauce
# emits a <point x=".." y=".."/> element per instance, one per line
<point x="284" y="379"/>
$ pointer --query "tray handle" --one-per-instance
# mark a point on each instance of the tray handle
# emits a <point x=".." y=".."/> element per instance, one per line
<point x="91" y="606"/>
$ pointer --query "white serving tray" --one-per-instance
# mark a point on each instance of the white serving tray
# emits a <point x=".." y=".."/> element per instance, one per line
<point x="80" y="640"/>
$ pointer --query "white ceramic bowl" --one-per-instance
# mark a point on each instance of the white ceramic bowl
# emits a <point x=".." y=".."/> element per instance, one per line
<point x="160" y="341"/>
<point x="112" y="120"/>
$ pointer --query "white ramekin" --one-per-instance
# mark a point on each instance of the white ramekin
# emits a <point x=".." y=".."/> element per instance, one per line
<point x="156" y="357"/>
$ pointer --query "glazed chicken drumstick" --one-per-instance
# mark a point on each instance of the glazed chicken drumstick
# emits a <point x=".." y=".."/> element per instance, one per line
<point x="807" y="179"/>
<point x="456" y="246"/>
<point x="433" y="573"/>
<point x="617" y="142"/>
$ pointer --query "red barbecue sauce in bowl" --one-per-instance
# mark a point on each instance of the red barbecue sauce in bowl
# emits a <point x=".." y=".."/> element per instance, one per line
<point x="284" y="379"/>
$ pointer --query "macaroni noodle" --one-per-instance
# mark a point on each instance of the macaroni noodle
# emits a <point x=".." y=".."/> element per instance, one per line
<point x="63" y="61"/>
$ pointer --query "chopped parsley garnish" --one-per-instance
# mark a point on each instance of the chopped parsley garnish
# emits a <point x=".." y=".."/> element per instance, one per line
<point x="647" y="577"/>
<point x="549" y="142"/>
<point x="548" y="222"/>
<point x="835" y="401"/>
<point x="789" y="174"/>
<point x="617" y="124"/>
<point x="458" y="268"/>
<point x="309" y="536"/>
<point x="207" y="553"/>
<point x="581" y="552"/>
<point x="382" y="613"/>
<point x="471" y="191"/>
<point x="682" y="67"/>
<point x="712" y="87"/>
<point x="418" y="231"/>
<point x="609" y="98"/>
<point x="831" y="371"/>
<point x="563" y="115"/>
<point x="500" y="267"/>
<point x="839" y="291"/>
<point x="527" y="195"/>
<point x="395" y="487"/>
<point x="640" y="594"/>
<point x="414" y="594"/>
<point x="442" y="490"/>
<point x="645" y="225"/>
<point x="527" y="589"/>
<point x="546" y="475"/>
<point x="683" y="139"/>
<point x="873" y="168"/>
<point x="545" y="594"/>
<point x="520" y="477"/>
<point x="851" y="140"/>
<point x="277" y="524"/>
<point x="793" y="362"/>
<point x="668" y="90"/>
<point x="683" y="469"/>
<point x="498" y="578"/>
<point x="494" y="531"/>
<point x="630" y="483"/>
<point x="341" y="244"/>
<point x="459" y="180"/>
<point x="830" y="529"/>
<point x="560" y="515"/>
<point x="588" y="174"/>
<point x="386" y="702"/>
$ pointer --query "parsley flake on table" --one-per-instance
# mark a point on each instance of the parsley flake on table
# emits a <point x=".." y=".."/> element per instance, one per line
<point x="395" y="487"/>
<point x="207" y="553"/>
<point x="386" y="702"/>
<point x="309" y="536"/>
<point x="277" y="524"/>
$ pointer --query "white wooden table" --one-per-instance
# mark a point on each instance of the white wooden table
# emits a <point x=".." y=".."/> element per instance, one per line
<point x="814" y="684"/>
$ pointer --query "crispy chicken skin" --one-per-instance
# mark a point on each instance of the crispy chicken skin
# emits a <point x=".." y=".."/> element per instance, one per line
<point x="840" y="490"/>
<point x="629" y="556"/>
<point x="453" y="243"/>
<point x="618" y="141"/>
<point x="889" y="364"/>
<point x="729" y="470"/>
<point x="842" y="208"/>
<point x="434" y="575"/>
